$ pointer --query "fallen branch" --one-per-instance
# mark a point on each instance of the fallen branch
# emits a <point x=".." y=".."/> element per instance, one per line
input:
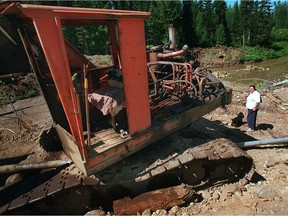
<point x="273" y="98"/>
<point x="2" y="128"/>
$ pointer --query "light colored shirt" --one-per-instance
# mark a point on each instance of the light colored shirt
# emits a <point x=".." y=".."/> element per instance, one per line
<point x="252" y="99"/>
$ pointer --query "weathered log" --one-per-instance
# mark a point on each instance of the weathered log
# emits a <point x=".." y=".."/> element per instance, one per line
<point x="158" y="199"/>
<point x="273" y="98"/>
<point x="14" y="168"/>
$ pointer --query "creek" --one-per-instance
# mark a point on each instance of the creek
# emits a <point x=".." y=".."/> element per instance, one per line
<point x="260" y="73"/>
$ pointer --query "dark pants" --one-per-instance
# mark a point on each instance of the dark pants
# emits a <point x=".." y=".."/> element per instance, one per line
<point x="251" y="118"/>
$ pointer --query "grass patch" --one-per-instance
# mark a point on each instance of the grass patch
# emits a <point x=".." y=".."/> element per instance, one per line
<point x="10" y="93"/>
<point x="27" y="94"/>
<point x="257" y="54"/>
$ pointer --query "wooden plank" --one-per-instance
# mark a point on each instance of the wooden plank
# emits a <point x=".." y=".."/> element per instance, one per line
<point x="99" y="142"/>
<point x="103" y="133"/>
<point x="70" y="147"/>
<point x="109" y="144"/>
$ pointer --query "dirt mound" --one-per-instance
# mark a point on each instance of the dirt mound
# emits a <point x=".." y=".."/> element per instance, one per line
<point x="20" y="87"/>
<point x="219" y="56"/>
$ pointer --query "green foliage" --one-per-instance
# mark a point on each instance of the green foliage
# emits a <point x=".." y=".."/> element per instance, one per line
<point x="220" y="35"/>
<point x="258" y="84"/>
<point x="9" y="93"/>
<point x="257" y="54"/>
<point x="27" y="94"/>
<point x="280" y="34"/>
<point x="279" y="41"/>
<point x="280" y="14"/>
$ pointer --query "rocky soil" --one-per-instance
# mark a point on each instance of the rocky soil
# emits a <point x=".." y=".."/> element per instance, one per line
<point x="219" y="56"/>
<point x="21" y="124"/>
<point x="267" y="193"/>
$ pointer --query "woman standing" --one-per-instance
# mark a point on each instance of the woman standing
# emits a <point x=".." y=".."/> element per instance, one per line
<point x="252" y="104"/>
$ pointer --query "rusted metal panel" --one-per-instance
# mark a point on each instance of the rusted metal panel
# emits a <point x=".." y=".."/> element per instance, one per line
<point x="54" y="49"/>
<point x="20" y="201"/>
<point x="70" y="12"/>
<point x="135" y="76"/>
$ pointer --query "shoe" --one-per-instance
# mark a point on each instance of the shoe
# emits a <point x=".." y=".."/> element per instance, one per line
<point x="123" y="134"/>
<point x="249" y="129"/>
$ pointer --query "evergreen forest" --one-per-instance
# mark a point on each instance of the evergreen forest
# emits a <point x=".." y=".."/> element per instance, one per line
<point x="256" y="26"/>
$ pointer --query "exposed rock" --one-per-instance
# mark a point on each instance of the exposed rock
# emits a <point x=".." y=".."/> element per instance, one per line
<point x="265" y="193"/>
<point x="96" y="212"/>
<point x="147" y="212"/>
<point x="229" y="190"/>
<point x="12" y="179"/>
<point x="162" y="212"/>
<point x="247" y="201"/>
<point x="216" y="195"/>
<point x="205" y="194"/>
<point x="174" y="210"/>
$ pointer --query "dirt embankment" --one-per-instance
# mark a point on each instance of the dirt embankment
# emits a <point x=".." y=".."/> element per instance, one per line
<point x="216" y="57"/>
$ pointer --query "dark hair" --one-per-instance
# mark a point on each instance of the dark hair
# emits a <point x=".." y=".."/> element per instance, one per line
<point x="253" y="86"/>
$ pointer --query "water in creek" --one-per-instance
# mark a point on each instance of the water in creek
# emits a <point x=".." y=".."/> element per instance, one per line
<point x="265" y="72"/>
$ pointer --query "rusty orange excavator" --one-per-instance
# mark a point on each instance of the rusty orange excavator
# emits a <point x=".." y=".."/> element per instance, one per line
<point x="104" y="114"/>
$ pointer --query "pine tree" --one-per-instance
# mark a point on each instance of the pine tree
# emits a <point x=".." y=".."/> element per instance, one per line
<point x="201" y="31"/>
<point x="220" y="8"/>
<point x="188" y="32"/>
<point x="154" y="26"/>
<point x="210" y="24"/>
<point x="261" y="23"/>
<point x="170" y="13"/>
<point x="245" y="20"/>
<point x="233" y="22"/>
<point x="220" y="35"/>
<point x="280" y="14"/>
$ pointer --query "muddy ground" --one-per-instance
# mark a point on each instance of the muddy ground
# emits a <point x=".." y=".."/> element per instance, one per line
<point x="21" y="124"/>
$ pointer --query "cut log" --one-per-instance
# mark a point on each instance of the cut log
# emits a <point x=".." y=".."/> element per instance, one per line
<point x="158" y="199"/>
<point x="273" y="98"/>
<point x="15" y="168"/>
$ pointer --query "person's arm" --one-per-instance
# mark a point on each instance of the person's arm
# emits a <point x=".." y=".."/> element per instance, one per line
<point x="257" y="100"/>
<point x="256" y="105"/>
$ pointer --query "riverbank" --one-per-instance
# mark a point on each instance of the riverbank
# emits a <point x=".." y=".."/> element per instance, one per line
<point x="221" y="56"/>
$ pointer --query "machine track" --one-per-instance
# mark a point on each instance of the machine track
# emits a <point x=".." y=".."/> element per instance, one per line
<point x="216" y="162"/>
